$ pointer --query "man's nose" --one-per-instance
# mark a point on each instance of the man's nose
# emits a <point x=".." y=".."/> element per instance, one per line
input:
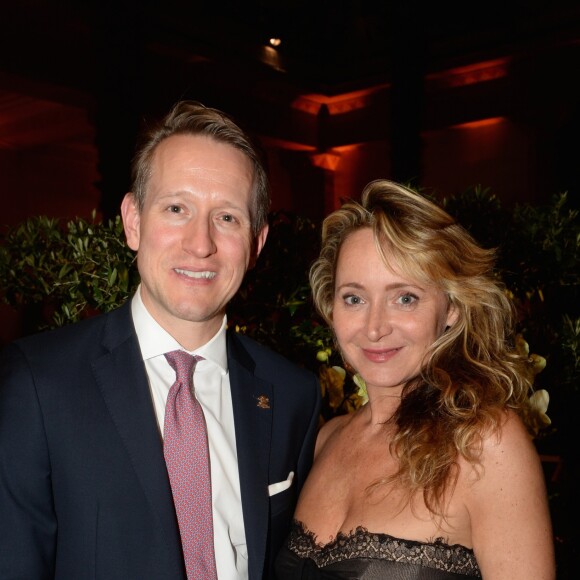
<point x="198" y="238"/>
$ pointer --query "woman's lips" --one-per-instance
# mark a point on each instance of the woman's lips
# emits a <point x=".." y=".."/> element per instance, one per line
<point x="382" y="355"/>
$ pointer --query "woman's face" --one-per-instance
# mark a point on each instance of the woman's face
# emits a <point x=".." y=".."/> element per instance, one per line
<point x="384" y="321"/>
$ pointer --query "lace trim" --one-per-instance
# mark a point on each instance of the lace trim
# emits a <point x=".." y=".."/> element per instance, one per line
<point x="364" y="544"/>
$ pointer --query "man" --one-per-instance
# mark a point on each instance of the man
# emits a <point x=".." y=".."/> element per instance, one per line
<point x="84" y="484"/>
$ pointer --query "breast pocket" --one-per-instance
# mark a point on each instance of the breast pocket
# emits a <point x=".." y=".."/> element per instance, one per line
<point x="282" y="495"/>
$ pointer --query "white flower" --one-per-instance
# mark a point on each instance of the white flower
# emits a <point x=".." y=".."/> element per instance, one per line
<point x="361" y="388"/>
<point x="539" y="402"/>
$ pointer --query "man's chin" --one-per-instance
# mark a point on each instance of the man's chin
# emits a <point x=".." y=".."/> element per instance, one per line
<point x="198" y="315"/>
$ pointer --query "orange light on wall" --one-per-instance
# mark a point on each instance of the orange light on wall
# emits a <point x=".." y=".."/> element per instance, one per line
<point x="495" y="152"/>
<point x="480" y="123"/>
<point x="275" y="143"/>
<point x="328" y="161"/>
<point x="339" y="104"/>
<point x="470" y="75"/>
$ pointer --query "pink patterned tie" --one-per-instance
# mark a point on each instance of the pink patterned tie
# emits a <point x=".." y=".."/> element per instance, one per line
<point x="187" y="457"/>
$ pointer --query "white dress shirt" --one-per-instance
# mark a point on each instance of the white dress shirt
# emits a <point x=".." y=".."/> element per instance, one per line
<point x="212" y="389"/>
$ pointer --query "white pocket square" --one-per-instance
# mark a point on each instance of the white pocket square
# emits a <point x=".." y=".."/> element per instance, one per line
<point x="275" y="488"/>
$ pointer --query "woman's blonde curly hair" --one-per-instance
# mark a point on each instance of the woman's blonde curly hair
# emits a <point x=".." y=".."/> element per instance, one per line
<point x="472" y="373"/>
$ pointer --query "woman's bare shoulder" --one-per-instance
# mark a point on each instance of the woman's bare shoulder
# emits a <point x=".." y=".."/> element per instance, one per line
<point x="504" y="450"/>
<point x="509" y="441"/>
<point x="330" y="428"/>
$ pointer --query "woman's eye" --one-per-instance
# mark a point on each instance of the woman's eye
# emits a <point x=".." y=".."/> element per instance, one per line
<point x="174" y="209"/>
<point x="407" y="299"/>
<point x="352" y="300"/>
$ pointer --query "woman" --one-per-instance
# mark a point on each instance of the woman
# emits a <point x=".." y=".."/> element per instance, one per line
<point x="436" y="477"/>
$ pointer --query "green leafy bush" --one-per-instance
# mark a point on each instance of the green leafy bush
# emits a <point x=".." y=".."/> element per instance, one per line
<point x="539" y="251"/>
<point x="70" y="270"/>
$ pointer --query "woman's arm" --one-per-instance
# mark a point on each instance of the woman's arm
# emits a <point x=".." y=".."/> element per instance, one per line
<point x="508" y="507"/>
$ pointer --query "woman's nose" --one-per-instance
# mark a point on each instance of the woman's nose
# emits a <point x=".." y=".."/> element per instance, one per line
<point x="379" y="323"/>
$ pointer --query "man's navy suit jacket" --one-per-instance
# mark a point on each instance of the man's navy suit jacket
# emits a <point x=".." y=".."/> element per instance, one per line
<point x="84" y="491"/>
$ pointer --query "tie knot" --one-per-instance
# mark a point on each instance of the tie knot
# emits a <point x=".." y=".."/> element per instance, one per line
<point x="183" y="364"/>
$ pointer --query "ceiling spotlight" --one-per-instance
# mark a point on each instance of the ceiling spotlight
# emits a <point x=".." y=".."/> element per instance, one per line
<point x="275" y="41"/>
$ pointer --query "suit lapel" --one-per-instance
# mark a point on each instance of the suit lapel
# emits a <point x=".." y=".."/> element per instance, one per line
<point x="121" y="377"/>
<point x="252" y="400"/>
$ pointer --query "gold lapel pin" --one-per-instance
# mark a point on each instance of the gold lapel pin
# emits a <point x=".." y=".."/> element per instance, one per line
<point x="263" y="402"/>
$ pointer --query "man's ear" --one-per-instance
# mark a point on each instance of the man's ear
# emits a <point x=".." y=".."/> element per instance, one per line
<point x="131" y="220"/>
<point x="259" y="242"/>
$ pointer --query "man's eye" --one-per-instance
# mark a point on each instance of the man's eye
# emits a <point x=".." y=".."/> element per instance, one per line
<point x="228" y="218"/>
<point x="174" y="209"/>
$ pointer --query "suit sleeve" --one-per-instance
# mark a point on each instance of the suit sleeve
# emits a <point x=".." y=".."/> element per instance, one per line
<point x="27" y="517"/>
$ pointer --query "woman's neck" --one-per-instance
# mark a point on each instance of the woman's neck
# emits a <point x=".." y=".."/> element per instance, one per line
<point x="382" y="405"/>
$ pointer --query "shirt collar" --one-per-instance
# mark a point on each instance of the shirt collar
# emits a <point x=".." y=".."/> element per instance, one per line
<point x="155" y="340"/>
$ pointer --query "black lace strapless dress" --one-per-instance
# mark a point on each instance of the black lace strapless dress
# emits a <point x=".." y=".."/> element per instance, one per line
<point x="362" y="555"/>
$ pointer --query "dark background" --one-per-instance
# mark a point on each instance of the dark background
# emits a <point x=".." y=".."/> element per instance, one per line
<point x="448" y="94"/>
